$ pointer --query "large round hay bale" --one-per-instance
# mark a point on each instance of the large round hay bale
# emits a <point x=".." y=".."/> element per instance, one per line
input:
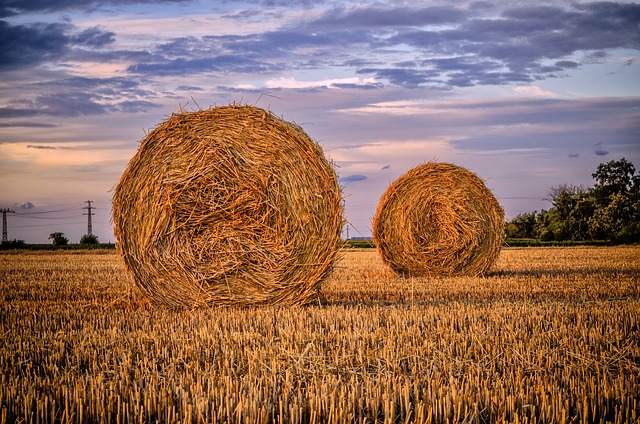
<point x="438" y="219"/>
<point x="229" y="205"/>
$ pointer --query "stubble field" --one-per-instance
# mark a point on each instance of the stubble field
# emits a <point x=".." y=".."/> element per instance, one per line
<point x="551" y="335"/>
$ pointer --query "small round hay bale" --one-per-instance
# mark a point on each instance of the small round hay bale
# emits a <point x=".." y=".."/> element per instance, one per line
<point x="229" y="205"/>
<point x="438" y="219"/>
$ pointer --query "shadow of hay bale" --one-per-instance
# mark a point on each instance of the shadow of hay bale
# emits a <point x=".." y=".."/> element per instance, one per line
<point x="229" y="205"/>
<point x="438" y="219"/>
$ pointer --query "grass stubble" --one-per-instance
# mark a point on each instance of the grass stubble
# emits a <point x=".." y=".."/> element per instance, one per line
<point x="552" y="335"/>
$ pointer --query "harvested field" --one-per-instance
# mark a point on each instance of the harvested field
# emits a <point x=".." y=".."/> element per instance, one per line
<point x="552" y="335"/>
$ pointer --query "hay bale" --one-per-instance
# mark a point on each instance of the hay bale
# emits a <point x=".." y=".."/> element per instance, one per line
<point x="438" y="219"/>
<point x="229" y="205"/>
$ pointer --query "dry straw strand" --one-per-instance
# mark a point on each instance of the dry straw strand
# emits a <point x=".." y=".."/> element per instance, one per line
<point x="229" y="205"/>
<point x="439" y="219"/>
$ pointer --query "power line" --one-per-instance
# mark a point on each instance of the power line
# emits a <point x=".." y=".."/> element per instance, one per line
<point x="47" y="225"/>
<point x="58" y="208"/>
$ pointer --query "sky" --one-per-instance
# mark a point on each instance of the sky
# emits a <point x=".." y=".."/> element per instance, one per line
<point x="528" y="95"/>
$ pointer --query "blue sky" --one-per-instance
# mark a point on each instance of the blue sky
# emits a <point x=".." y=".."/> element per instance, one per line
<point x="526" y="95"/>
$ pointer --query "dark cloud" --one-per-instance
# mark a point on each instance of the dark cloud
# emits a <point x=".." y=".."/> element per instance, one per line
<point x="403" y="76"/>
<point x="599" y="150"/>
<point x="566" y="126"/>
<point x="25" y="124"/>
<point x="371" y="86"/>
<point x="40" y="147"/>
<point x="182" y="66"/>
<point x="15" y="7"/>
<point x="452" y="46"/>
<point x="94" y="38"/>
<point x="512" y="47"/>
<point x="85" y="168"/>
<point x="25" y="45"/>
<point x="385" y="17"/>
<point x="352" y="178"/>
<point x="32" y="44"/>
<point x="26" y="206"/>
<point x="188" y="88"/>
<point x="81" y="97"/>
<point x="46" y="147"/>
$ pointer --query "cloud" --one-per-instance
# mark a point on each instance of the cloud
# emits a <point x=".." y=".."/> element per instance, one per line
<point x="86" y="168"/>
<point x="26" y="124"/>
<point x="458" y="46"/>
<point x="94" y="38"/>
<point x="26" y="206"/>
<point x="533" y="91"/>
<point x="629" y="61"/>
<point x="41" y="147"/>
<point x="14" y="7"/>
<point x="390" y="17"/>
<point x="78" y="96"/>
<point x="528" y="126"/>
<point x="30" y="44"/>
<point x="352" y="178"/>
<point x="188" y="88"/>
<point x="599" y="150"/>
<point x="26" y="45"/>
<point x="512" y="47"/>
<point x="283" y="82"/>
<point x="181" y="66"/>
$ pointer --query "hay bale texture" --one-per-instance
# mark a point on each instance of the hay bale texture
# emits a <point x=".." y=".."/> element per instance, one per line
<point x="229" y="205"/>
<point x="438" y="219"/>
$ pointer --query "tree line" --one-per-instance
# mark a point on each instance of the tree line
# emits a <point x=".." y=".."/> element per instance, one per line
<point x="608" y="211"/>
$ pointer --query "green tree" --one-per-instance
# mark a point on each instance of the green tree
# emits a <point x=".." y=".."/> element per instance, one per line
<point x="617" y="202"/>
<point x="59" y="239"/>
<point x="522" y="226"/>
<point x="579" y="218"/>
<point x="546" y="225"/>
<point x="610" y="210"/>
<point x="565" y="198"/>
<point x="89" y="239"/>
<point x="614" y="177"/>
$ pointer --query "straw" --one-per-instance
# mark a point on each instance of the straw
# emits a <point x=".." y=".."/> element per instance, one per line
<point x="439" y="219"/>
<point x="229" y="205"/>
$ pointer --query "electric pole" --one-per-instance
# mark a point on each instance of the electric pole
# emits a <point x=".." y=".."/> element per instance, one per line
<point x="89" y="213"/>
<point x="4" y="224"/>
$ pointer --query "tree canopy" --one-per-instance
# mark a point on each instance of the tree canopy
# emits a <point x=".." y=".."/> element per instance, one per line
<point x="610" y="210"/>
<point x="59" y="239"/>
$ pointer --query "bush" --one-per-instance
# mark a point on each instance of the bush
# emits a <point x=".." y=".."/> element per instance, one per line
<point x="89" y="239"/>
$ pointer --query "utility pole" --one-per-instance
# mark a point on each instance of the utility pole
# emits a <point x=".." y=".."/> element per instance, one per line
<point x="89" y="213"/>
<point x="4" y="224"/>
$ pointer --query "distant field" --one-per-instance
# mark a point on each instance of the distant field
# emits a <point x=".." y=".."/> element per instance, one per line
<point x="552" y="335"/>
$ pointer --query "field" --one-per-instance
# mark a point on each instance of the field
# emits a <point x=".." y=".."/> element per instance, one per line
<point x="551" y="336"/>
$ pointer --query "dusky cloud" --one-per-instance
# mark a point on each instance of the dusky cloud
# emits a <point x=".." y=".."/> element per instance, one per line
<point x="26" y="206"/>
<point x="352" y="178"/>
<point x="41" y="147"/>
<point x="26" y="45"/>
<point x="80" y="96"/>
<point x="453" y="46"/>
<point x="14" y="7"/>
